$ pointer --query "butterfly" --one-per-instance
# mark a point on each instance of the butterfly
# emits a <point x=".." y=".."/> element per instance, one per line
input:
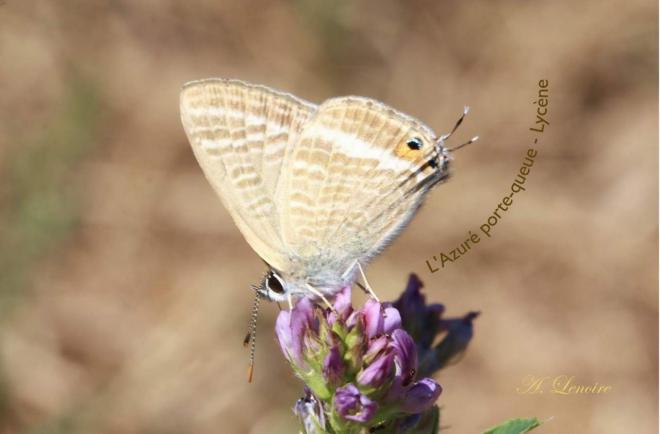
<point x="317" y="191"/>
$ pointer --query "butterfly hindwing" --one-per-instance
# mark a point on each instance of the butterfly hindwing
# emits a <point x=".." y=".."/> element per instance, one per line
<point x="241" y="134"/>
<point x="352" y="181"/>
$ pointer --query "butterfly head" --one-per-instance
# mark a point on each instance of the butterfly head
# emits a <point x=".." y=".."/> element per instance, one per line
<point x="442" y="157"/>
<point x="273" y="287"/>
<point x="435" y="154"/>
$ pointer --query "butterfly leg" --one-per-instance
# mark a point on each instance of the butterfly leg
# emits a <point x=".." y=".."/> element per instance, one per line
<point x="349" y="270"/>
<point x="366" y="282"/>
<point x="288" y="298"/>
<point x="320" y="295"/>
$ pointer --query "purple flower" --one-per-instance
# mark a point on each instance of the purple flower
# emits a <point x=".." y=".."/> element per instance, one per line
<point x="342" y="306"/>
<point x="418" y="318"/>
<point x="391" y="319"/>
<point x="459" y="334"/>
<point x="352" y="405"/>
<point x="370" y="364"/>
<point x="291" y="328"/>
<point x="406" y="355"/>
<point x="379" y="371"/>
<point x="410" y="397"/>
<point x="424" y="322"/>
<point x="333" y="366"/>
<point x="373" y="318"/>
<point x="376" y="346"/>
<point x="376" y="318"/>
<point x="421" y="396"/>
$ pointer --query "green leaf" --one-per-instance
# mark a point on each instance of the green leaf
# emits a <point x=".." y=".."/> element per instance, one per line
<point x="394" y="422"/>
<point x="514" y="426"/>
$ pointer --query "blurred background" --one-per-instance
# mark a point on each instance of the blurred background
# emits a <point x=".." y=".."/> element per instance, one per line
<point x="124" y="290"/>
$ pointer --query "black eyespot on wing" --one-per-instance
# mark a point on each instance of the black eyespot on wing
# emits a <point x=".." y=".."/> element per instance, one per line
<point x="415" y="143"/>
<point x="274" y="284"/>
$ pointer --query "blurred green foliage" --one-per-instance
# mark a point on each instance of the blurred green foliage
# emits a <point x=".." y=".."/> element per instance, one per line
<point x="329" y="22"/>
<point x="38" y="196"/>
<point x="38" y="188"/>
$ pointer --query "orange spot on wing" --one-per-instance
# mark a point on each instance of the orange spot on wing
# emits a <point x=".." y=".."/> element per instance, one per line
<point x="402" y="150"/>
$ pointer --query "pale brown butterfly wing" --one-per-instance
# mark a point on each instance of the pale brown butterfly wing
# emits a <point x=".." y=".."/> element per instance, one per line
<point x="352" y="183"/>
<point x="241" y="134"/>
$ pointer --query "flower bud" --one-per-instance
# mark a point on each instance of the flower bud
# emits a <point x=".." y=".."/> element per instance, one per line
<point x="391" y="319"/>
<point x="291" y="329"/>
<point x="333" y="366"/>
<point x="378" y="372"/>
<point x="406" y="355"/>
<point x="350" y="404"/>
<point x="374" y="348"/>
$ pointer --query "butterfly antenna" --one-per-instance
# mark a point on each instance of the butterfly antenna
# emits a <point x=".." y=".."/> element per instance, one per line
<point x="472" y="140"/>
<point x="444" y="137"/>
<point x="458" y="123"/>
<point x="251" y="337"/>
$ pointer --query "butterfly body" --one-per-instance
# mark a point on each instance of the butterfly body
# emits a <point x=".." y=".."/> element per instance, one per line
<point x="316" y="190"/>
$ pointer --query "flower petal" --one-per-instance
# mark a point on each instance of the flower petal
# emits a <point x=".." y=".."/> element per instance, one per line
<point x="375" y="347"/>
<point x="418" y="318"/>
<point x="459" y="334"/>
<point x="405" y="355"/>
<point x="352" y="405"/>
<point x="391" y="319"/>
<point x="373" y="318"/>
<point x="283" y="332"/>
<point x="333" y="366"/>
<point x="291" y="328"/>
<point x="411" y="303"/>
<point x="421" y="396"/>
<point x="342" y="302"/>
<point x="378" y="371"/>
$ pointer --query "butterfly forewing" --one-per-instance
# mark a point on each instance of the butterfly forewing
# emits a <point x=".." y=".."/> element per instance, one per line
<point x="241" y="134"/>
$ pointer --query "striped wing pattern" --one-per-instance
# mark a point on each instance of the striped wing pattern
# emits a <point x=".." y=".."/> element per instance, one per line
<point x="240" y="134"/>
<point x="352" y="183"/>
